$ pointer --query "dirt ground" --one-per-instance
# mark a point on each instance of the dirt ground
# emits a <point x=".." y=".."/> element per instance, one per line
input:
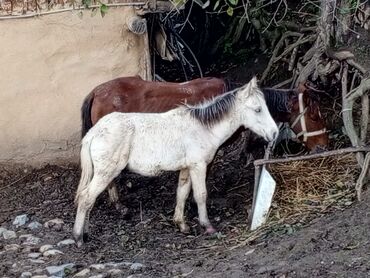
<point x="334" y="245"/>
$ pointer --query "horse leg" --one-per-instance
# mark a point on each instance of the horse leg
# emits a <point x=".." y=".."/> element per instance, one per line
<point x="114" y="198"/>
<point x="85" y="203"/>
<point x="198" y="180"/>
<point x="183" y="190"/>
<point x="104" y="173"/>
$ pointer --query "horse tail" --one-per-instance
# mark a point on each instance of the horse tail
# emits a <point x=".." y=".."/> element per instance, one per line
<point x="87" y="169"/>
<point x="86" y="114"/>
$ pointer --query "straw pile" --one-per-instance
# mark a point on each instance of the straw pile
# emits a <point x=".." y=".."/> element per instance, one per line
<point x="313" y="186"/>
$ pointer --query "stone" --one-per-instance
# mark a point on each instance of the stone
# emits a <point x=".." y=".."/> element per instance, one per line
<point x="65" y="242"/>
<point x="20" y="220"/>
<point x="39" y="271"/>
<point x="46" y="247"/>
<point x="82" y="273"/>
<point x="26" y="274"/>
<point x="54" y="224"/>
<point x="118" y="265"/>
<point x="9" y="234"/>
<point x="30" y="239"/>
<point x="61" y="270"/>
<point x="40" y="276"/>
<point x="137" y="266"/>
<point x="97" y="266"/>
<point x="97" y="276"/>
<point x="34" y="255"/>
<point x="2" y="230"/>
<point x="52" y="252"/>
<point x="34" y="225"/>
<point x="12" y="247"/>
<point x="37" y="261"/>
<point x="29" y="249"/>
<point x="115" y="271"/>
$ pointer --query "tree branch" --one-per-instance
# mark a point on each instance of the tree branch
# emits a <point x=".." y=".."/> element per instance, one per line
<point x="260" y="162"/>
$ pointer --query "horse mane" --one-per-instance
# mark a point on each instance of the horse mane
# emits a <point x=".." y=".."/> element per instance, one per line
<point x="213" y="111"/>
<point x="278" y="100"/>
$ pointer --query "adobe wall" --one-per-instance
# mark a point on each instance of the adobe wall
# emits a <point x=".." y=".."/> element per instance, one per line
<point x="48" y="65"/>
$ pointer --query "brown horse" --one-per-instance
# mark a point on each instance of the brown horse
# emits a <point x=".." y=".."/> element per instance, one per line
<point x="297" y="107"/>
<point x="133" y="94"/>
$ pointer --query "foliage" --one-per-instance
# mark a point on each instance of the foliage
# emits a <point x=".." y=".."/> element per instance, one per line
<point x="103" y="8"/>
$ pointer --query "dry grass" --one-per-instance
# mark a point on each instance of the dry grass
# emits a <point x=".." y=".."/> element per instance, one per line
<point x="304" y="187"/>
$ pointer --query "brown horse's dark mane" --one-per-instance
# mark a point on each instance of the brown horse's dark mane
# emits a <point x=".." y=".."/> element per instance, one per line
<point x="279" y="100"/>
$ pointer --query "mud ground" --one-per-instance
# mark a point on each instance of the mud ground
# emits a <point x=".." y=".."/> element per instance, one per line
<point x="333" y="245"/>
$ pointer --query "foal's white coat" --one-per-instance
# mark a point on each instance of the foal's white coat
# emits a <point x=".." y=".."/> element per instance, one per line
<point x="176" y="140"/>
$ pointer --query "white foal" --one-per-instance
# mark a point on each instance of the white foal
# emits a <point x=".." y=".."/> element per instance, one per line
<point x="185" y="139"/>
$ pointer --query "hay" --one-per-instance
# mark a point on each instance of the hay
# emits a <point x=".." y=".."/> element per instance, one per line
<point x="313" y="186"/>
<point x="305" y="190"/>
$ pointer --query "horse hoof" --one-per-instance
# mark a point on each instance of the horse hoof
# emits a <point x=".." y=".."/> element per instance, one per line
<point x="185" y="229"/>
<point x="210" y="230"/>
<point x="123" y="210"/>
<point x="79" y="239"/>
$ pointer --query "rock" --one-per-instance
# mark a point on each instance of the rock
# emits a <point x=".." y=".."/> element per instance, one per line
<point x="12" y="247"/>
<point x="25" y="236"/>
<point x="29" y="249"/>
<point x="97" y="276"/>
<point x="61" y="270"/>
<point x="137" y="266"/>
<point x="118" y="265"/>
<point x="46" y="247"/>
<point x="54" y="224"/>
<point x="9" y="234"/>
<point x="30" y="239"/>
<point x="97" y="266"/>
<point x="20" y="220"/>
<point x="34" y="255"/>
<point x="115" y="271"/>
<point x="82" y="273"/>
<point x="26" y="274"/>
<point x="34" y="225"/>
<point x="40" y="276"/>
<point x="37" y="261"/>
<point x="2" y="230"/>
<point x="52" y="252"/>
<point x="65" y="242"/>
<point x="39" y="271"/>
<point x="249" y="252"/>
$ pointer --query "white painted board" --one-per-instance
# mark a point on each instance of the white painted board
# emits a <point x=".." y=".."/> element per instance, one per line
<point x="265" y="192"/>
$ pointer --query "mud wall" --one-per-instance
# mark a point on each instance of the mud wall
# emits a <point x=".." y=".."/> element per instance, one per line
<point x="48" y="65"/>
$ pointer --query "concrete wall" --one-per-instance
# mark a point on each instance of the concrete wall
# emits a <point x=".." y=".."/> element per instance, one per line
<point x="48" y="65"/>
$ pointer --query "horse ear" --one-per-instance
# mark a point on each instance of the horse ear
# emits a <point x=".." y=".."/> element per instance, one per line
<point x="254" y="82"/>
<point x="302" y="88"/>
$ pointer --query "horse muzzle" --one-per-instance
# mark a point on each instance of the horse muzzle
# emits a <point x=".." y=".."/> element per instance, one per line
<point x="319" y="149"/>
<point x="272" y="135"/>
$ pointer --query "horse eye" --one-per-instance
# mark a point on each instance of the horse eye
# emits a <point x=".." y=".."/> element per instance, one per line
<point x="258" y="110"/>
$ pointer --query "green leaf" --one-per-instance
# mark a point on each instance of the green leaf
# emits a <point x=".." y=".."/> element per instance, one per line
<point x="233" y="2"/>
<point x="230" y="11"/>
<point x="87" y="3"/>
<point x="216" y="5"/>
<point x="103" y="9"/>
